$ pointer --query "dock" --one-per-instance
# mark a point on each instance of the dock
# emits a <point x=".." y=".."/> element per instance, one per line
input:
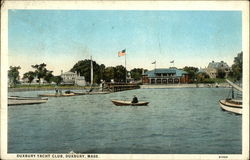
<point x="117" y="87"/>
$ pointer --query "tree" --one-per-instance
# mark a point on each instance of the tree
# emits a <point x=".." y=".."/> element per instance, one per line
<point x="237" y="67"/>
<point x="202" y="76"/>
<point x="13" y="75"/>
<point x="120" y="74"/>
<point x="101" y="71"/>
<point x="136" y="73"/>
<point x="221" y="73"/>
<point x="109" y="73"/>
<point x="40" y="71"/>
<point x="49" y="76"/>
<point x="57" y="79"/>
<point x="30" y="76"/>
<point x="191" y="72"/>
<point x="84" y="68"/>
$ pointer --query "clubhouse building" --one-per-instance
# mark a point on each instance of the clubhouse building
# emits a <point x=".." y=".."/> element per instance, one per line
<point x="165" y="76"/>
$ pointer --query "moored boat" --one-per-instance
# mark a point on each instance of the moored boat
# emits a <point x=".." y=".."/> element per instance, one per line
<point x="233" y="104"/>
<point x="128" y="103"/>
<point x="16" y="100"/>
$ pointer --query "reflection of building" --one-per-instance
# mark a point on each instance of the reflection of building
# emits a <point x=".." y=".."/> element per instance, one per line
<point x="213" y="68"/>
<point x="72" y="78"/>
<point x="165" y="76"/>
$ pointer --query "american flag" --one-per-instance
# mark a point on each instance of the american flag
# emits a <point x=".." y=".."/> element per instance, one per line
<point x="122" y="53"/>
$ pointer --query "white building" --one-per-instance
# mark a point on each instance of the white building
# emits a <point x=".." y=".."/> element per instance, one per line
<point x="72" y="78"/>
<point x="213" y="67"/>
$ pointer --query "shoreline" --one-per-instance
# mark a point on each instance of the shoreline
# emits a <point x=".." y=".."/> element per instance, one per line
<point x="44" y="89"/>
<point x="144" y="86"/>
<point x="199" y="85"/>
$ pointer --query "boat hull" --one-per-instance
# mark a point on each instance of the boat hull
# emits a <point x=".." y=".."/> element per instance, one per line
<point x="56" y="95"/>
<point x="128" y="103"/>
<point x="90" y="93"/>
<point x="26" y="100"/>
<point x="231" y="107"/>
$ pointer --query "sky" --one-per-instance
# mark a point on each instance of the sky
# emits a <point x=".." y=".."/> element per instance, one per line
<point x="60" y="38"/>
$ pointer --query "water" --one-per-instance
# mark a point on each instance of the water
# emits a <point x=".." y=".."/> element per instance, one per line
<point x="177" y="121"/>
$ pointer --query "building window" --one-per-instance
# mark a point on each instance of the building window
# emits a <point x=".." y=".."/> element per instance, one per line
<point x="176" y="81"/>
<point x="164" y="81"/>
<point x="170" y="80"/>
<point x="152" y="81"/>
<point x="159" y="81"/>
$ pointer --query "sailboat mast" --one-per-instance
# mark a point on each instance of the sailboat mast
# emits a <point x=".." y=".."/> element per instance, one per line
<point x="125" y="69"/>
<point x="232" y="92"/>
<point x="91" y="72"/>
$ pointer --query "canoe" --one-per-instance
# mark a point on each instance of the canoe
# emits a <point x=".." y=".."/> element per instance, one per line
<point x="57" y="95"/>
<point x="128" y="103"/>
<point x="15" y="100"/>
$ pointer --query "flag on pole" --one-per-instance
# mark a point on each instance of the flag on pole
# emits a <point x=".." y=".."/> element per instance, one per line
<point x="154" y="62"/>
<point x="122" y="53"/>
<point x="172" y="61"/>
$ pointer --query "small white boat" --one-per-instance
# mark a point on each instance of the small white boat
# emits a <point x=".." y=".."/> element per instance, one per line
<point x="233" y="104"/>
<point x="128" y="103"/>
<point x="16" y="100"/>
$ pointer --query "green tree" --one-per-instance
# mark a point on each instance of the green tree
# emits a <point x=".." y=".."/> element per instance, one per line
<point x="191" y="72"/>
<point x="136" y="73"/>
<point x="109" y="73"/>
<point x="120" y="74"/>
<point x="49" y="76"/>
<point x="13" y="75"/>
<point x="237" y="67"/>
<point x="40" y="71"/>
<point x="84" y="68"/>
<point x="202" y="76"/>
<point x="57" y="79"/>
<point x="30" y="76"/>
<point x="101" y="71"/>
<point x="221" y="73"/>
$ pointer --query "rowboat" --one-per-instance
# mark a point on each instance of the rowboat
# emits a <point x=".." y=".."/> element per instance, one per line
<point x="16" y="100"/>
<point x="128" y="103"/>
<point x="234" y="103"/>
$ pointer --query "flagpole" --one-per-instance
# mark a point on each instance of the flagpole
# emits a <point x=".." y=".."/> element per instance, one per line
<point x="125" y="68"/>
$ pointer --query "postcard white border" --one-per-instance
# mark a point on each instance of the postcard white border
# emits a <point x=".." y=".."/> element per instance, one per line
<point x="130" y="5"/>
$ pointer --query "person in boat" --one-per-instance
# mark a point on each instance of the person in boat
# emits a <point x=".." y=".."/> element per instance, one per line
<point x="56" y="91"/>
<point x="135" y="99"/>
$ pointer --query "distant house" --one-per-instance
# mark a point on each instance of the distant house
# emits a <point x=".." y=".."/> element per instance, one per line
<point x="165" y="76"/>
<point x="213" y="68"/>
<point x="71" y="78"/>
